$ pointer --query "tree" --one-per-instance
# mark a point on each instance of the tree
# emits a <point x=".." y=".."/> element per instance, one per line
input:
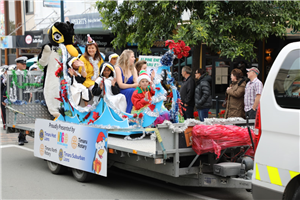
<point x="230" y="28"/>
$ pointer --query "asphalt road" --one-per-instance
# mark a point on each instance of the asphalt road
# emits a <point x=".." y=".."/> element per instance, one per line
<point x="27" y="177"/>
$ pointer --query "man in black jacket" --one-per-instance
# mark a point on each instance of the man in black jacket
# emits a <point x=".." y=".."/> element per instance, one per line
<point x="203" y="99"/>
<point x="187" y="91"/>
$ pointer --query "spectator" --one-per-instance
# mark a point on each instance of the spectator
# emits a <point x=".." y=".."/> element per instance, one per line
<point x="203" y="98"/>
<point x="252" y="93"/>
<point x="21" y="65"/>
<point x="187" y="92"/>
<point x="235" y="95"/>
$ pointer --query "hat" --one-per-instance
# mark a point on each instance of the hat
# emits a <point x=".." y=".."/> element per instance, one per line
<point x="21" y="59"/>
<point x="71" y="60"/>
<point x="90" y="40"/>
<point x="32" y="67"/>
<point x="143" y="75"/>
<point x="110" y="66"/>
<point x="110" y="55"/>
<point x="253" y="69"/>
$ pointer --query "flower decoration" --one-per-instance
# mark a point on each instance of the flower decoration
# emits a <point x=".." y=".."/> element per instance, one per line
<point x="95" y="115"/>
<point x="167" y="59"/>
<point x="180" y="107"/>
<point x="196" y="115"/>
<point x="221" y="114"/>
<point x="59" y="71"/>
<point x="178" y="48"/>
<point x="141" y="115"/>
<point x="125" y="116"/>
<point x="135" y="115"/>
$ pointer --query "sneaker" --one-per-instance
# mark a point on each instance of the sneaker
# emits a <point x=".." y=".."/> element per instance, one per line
<point x="25" y="141"/>
<point x="21" y="142"/>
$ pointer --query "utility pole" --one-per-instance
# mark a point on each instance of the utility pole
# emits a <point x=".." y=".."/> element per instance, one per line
<point x="62" y="17"/>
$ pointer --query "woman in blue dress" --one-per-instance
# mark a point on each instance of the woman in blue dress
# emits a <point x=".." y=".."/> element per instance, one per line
<point x="127" y="76"/>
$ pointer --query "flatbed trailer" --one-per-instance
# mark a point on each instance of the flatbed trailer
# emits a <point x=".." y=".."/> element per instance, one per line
<point x="162" y="152"/>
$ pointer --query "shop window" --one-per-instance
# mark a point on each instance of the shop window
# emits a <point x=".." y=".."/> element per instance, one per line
<point x="287" y="83"/>
<point x="29" y="7"/>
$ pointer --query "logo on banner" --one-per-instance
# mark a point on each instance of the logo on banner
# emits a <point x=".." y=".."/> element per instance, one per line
<point x="74" y="142"/>
<point x="60" y="154"/>
<point x="41" y="134"/>
<point x="62" y="138"/>
<point x="28" y="39"/>
<point x="42" y="149"/>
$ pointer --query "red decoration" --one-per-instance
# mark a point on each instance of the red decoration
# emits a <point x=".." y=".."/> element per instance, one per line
<point x="141" y="115"/>
<point x="87" y="116"/>
<point x="196" y="114"/>
<point x="135" y="115"/>
<point x="178" y="48"/>
<point x="124" y="116"/>
<point x="151" y="106"/>
<point x="95" y="115"/>
<point x="157" y="88"/>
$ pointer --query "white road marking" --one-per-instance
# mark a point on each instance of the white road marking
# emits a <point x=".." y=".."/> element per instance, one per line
<point x="17" y="146"/>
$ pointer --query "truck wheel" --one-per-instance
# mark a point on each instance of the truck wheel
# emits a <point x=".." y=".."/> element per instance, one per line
<point x="297" y="194"/>
<point x="82" y="176"/>
<point x="56" y="168"/>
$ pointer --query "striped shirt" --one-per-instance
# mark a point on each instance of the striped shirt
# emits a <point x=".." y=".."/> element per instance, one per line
<point x="252" y="89"/>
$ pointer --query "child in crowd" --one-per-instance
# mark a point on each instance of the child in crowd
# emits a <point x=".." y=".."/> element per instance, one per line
<point x="77" y="88"/>
<point x="141" y="97"/>
<point x="108" y="81"/>
<point x="142" y="65"/>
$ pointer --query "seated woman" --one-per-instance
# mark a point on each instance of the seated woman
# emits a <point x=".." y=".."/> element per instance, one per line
<point x="78" y="90"/>
<point x="112" y="90"/>
<point x="127" y="76"/>
<point x="92" y="60"/>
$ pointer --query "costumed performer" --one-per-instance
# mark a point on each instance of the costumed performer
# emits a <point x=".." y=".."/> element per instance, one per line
<point x="78" y="90"/>
<point x="112" y="91"/>
<point x="127" y="76"/>
<point x="111" y="57"/>
<point x="92" y="61"/>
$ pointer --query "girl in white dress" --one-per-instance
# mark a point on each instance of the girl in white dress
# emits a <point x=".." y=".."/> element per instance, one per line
<point x="111" y="90"/>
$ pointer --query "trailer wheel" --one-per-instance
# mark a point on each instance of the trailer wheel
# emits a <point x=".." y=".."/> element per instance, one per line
<point x="56" y="168"/>
<point x="82" y="176"/>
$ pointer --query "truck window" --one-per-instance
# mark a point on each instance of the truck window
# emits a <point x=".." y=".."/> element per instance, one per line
<point x="287" y="83"/>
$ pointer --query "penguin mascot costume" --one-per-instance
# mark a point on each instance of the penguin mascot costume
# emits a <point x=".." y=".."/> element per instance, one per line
<point x="60" y="32"/>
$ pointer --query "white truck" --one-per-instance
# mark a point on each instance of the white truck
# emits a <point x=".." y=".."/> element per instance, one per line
<point x="277" y="159"/>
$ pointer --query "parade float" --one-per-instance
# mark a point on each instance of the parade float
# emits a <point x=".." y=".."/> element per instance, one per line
<point x="90" y="139"/>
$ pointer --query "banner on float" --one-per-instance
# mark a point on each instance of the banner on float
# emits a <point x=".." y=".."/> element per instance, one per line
<point x="76" y="146"/>
<point x="153" y="62"/>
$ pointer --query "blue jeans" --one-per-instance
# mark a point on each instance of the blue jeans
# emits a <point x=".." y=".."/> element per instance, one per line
<point x="203" y="113"/>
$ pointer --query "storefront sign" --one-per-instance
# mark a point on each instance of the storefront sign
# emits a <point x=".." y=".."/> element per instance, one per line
<point x="101" y="40"/>
<point x="91" y="20"/>
<point x="69" y="145"/>
<point x="292" y="32"/>
<point x="29" y="51"/>
<point x="31" y="39"/>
